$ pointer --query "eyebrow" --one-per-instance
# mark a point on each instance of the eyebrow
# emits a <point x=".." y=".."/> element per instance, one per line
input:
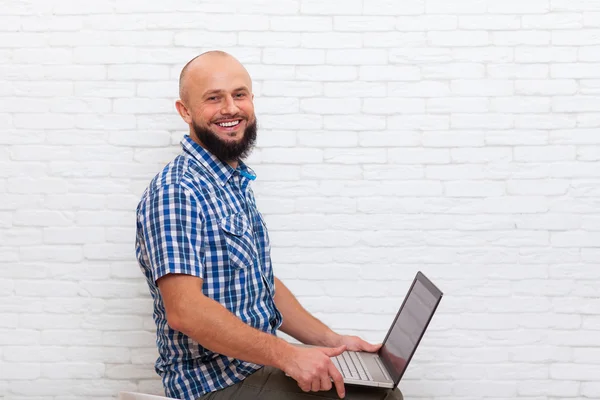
<point x="216" y="91"/>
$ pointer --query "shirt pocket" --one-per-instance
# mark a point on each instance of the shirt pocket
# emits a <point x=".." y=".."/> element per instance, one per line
<point x="241" y="249"/>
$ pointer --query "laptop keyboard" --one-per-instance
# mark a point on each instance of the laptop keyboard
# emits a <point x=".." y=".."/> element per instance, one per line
<point x="351" y="366"/>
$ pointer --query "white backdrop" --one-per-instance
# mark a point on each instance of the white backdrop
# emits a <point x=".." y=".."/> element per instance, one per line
<point x="460" y="138"/>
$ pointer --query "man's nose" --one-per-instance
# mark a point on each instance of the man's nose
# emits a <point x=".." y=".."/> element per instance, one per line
<point x="229" y="106"/>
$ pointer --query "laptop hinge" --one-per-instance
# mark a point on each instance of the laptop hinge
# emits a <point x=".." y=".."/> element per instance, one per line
<point x="382" y="368"/>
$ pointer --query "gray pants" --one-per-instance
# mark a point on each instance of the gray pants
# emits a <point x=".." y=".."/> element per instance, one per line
<point x="269" y="383"/>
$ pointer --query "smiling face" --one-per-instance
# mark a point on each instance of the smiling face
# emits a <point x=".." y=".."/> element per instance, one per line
<point x="217" y="103"/>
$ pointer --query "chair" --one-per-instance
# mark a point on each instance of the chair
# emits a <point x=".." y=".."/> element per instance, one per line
<point x="141" y="396"/>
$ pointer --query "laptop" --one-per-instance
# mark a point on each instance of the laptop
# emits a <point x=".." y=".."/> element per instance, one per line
<point x="386" y="367"/>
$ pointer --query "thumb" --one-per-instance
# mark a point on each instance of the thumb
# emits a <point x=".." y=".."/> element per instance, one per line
<point x="334" y="351"/>
<point x="373" y="348"/>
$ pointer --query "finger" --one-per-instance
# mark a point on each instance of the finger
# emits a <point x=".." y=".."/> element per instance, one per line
<point x="335" y="351"/>
<point x="316" y="385"/>
<point x="304" y="386"/>
<point x="325" y="382"/>
<point x="338" y="380"/>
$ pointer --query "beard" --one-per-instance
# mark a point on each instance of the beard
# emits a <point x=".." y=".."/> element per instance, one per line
<point x="223" y="150"/>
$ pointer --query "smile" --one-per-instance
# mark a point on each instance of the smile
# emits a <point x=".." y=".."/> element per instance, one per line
<point x="229" y="124"/>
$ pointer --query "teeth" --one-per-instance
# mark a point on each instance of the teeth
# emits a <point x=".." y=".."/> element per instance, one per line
<point x="229" y="124"/>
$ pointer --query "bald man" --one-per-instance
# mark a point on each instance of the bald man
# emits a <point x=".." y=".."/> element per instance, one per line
<point x="204" y="249"/>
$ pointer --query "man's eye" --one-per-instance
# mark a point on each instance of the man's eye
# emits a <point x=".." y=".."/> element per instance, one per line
<point x="212" y="98"/>
<point x="240" y="95"/>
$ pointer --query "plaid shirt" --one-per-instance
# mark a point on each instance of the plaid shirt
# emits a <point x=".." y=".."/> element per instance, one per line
<point x="199" y="217"/>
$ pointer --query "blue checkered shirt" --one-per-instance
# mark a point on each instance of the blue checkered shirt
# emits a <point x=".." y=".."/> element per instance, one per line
<point x="198" y="217"/>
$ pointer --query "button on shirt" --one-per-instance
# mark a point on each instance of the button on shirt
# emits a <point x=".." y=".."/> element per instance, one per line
<point x="199" y="217"/>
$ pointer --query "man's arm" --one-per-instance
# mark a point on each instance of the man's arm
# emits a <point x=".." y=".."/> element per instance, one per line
<point x="301" y="325"/>
<point x="213" y="326"/>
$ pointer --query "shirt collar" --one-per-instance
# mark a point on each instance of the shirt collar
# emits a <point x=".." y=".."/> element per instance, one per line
<point x="217" y="168"/>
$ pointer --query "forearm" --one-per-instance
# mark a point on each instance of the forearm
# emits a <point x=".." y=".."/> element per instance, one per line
<point x="299" y="323"/>
<point x="217" y="329"/>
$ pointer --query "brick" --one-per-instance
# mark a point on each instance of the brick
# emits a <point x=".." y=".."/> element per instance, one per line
<point x="481" y="155"/>
<point x="300" y="122"/>
<point x="357" y="57"/>
<point x="517" y="71"/>
<point x="546" y="87"/>
<point x="574" y="239"/>
<point x="580" y="37"/>
<point x="19" y="371"/>
<point x="545" y="121"/>
<point x="520" y="105"/>
<point x="453" y="71"/>
<point x="354" y="156"/>
<point x="591" y="19"/>
<point x="484" y="54"/>
<point x="474" y="189"/>
<point x="544" y="154"/>
<point x="355" y="122"/>
<point x="446" y="105"/>
<point x="590" y="389"/>
<point x="419" y="89"/>
<point x="553" y="21"/>
<point x="301" y="23"/>
<point x="475" y="121"/>
<point x="419" y="121"/>
<point x="393" y="106"/>
<point x="293" y="56"/>
<point x="315" y="7"/>
<point x="574" y="136"/>
<point x="360" y="23"/>
<point x="421" y="55"/>
<point x="549" y="388"/>
<point x="292" y="156"/>
<point x="419" y="156"/>
<point x="453" y="139"/>
<point x="489" y="22"/>
<point x="588" y="153"/>
<point x="574" y="371"/>
<point x="277" y="139"/>
<point x="465" y="7"/>
<point x="267" y="39"/>
<point x="575" y="5"/>
<point x="331" y="172"/>
<point x="587" y="70"/>
<point x="588" y="120"/>
<point x="387" y="139"/>
<point x="475" y="87"/>
<point x="547" y="188"/>
<point x="395" y="39"/>
<point x="331" y="40"/>
<point x="330" y="106"/>
<point x="390" y="7"/>
<point x="459" y="38"/>
<point x="389" y="73"/>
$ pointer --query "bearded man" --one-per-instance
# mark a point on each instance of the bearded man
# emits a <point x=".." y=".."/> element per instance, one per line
<point x="204" y="249"/>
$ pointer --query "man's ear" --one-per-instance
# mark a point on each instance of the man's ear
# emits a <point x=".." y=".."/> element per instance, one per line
<point x="183" y="111"/>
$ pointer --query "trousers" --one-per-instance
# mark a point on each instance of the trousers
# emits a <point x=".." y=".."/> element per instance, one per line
<point x="270" y="383"/>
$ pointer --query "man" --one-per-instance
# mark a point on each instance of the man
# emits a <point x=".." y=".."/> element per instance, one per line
<point x="204" y="249"/>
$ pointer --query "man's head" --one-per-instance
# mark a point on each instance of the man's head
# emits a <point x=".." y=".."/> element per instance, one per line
<point x="216" y="101"/>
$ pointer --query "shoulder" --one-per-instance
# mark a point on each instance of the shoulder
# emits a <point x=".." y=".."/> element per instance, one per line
<point x="174" y="183"/>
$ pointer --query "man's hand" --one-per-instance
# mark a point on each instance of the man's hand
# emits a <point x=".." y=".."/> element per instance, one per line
<point x="354" y="343"/>
<point x="313" y="369"/>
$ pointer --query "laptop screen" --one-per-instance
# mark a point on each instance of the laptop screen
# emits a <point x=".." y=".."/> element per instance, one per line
<point x="409" y="326"/>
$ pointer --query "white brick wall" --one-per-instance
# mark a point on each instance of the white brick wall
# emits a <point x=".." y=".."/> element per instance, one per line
<point x="460" y="138"/>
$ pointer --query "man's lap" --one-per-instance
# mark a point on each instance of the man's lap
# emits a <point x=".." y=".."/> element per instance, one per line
<point x="271" y="384"/>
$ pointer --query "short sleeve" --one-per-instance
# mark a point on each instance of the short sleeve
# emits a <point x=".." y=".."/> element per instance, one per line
<point x="171" y="225"/>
